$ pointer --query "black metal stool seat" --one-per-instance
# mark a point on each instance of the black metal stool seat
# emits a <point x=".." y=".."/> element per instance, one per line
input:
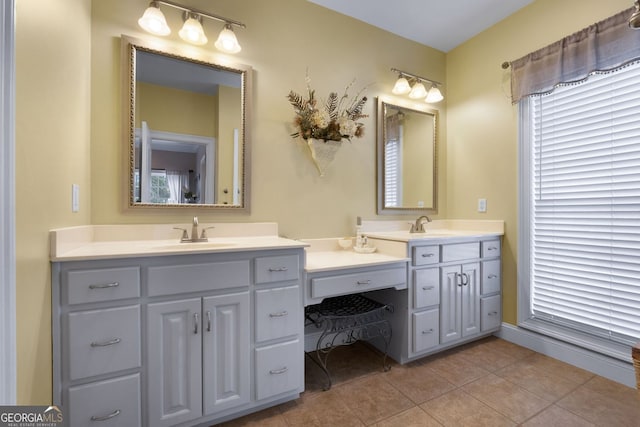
<point x="345" y="320"/>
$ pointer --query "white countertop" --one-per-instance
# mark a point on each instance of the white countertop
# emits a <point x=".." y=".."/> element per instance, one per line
<point x="127" y="241"/>
<point x="326" y="255"/>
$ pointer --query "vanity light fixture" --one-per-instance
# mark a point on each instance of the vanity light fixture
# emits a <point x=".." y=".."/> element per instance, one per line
<point x="413" y="85"/>
<point x="154" y="22"/>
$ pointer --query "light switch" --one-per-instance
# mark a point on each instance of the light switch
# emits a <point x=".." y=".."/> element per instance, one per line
<point x="75" y="198"/>
<point x="482" y="205"/>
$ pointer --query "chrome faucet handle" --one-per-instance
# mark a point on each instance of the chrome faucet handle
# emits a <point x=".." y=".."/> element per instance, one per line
<point x="194" y="228"/>
<point x="185" y="236"/>
<point x="203" y="235"/>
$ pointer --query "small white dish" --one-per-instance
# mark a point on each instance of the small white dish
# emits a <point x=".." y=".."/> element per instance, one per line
<point x="345" y="243"/>
<point x="364" y="249"/>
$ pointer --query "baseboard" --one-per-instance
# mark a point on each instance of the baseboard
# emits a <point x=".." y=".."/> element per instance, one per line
<point x="605" y="366"/>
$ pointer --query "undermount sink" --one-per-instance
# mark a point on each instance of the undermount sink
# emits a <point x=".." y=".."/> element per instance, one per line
<point x="197" y="245"/>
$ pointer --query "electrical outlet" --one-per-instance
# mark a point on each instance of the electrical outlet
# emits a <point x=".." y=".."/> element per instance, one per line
<point x="75" y="198"/>
<point x="482" y="205"/>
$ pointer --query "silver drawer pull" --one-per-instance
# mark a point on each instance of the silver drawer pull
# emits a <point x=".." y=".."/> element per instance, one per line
<point x="493" y="313"/>
<point x="492" y="248"/>
<point x="278" y="371"/>
<point x="429" y="255"/>
<point x="491" y="276"/>
<point x="272" y="269"/>
<point x="195" y="323"/>
<point x="105" y="285"/>
<point x="281" y="314"/>
<point x="430" y="331"/>
<point x="106" y="343"/>
<point x="363" y="282"/>
<point x="427" y="288"/>
<point x="208" y="321"/>
<point x="106" y="417"/>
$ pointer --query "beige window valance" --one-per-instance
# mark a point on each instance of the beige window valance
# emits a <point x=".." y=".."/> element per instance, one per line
<point x="603" y="46"/>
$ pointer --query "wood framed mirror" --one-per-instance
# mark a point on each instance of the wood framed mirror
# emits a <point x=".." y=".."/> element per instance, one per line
<point x="186" y="127"/>
<point x="407" y="157"/>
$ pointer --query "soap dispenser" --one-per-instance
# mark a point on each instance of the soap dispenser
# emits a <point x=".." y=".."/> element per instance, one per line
<point x="359" y="238"/>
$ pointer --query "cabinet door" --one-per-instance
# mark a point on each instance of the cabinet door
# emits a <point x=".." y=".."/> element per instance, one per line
<point x="470" y="303"/>
<point x="451" y="282"/>
<point x="225" y="339"/>
<point x="174" y="352"/>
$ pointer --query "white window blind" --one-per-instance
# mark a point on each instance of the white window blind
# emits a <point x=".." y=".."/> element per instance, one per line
<point x="585" y="205"/>
<point x="392" y="173"/>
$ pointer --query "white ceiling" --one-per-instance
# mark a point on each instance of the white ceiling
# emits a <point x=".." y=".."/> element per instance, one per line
<point x="441" y="24"/>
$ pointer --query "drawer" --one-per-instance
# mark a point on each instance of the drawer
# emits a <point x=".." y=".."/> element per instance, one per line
<point x="358" y="282"/>
<point x="178" y="279"/>
<point x="278" y="312"/>
<point x="106" y="284"/>
<point x="113" y="402"/>
<point x="103" y="341"/>
<point x="490" y="313"/>
<point x="279" y="369"/>
<point x="426" y="330"/>
<point x="490" y="248"/>
<point x="460" y="251"/>
<point x="490" y="277"/>
<point x="426" y="287"/>
<point x="425" y="255"/>
<point x="277" y="268"/>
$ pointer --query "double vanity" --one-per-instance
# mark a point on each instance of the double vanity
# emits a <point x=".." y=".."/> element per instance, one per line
<point x="150" y="331"/>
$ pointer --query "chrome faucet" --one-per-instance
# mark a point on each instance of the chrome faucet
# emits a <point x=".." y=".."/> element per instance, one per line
<point x="194" y="233"/>
<point x="418" y="227"/>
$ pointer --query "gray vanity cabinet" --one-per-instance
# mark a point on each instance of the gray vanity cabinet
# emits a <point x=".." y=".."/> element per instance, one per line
<point x="454" y="295"/>
<point x="459" y="302"/>
<point x="198" y="353"/>
<point x="169" y="340"/>
<point x="174" y="362"/>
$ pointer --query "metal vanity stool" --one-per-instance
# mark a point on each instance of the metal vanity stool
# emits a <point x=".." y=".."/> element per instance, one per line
<point x="346" y="320"/>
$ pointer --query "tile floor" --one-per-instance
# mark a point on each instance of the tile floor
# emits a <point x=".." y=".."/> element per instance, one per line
<point x="487" y="383"/>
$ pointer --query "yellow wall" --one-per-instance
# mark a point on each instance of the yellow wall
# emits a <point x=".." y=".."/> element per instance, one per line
<point x="482" y="123"/>
<point x="282" y="40"/>
<point x="53" y="103"/>
<point x="187" y="112"/>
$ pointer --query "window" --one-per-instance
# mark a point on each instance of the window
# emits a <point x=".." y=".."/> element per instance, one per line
<point x="393" y="171"/>
<point x="159" y="186"/>
<point x="580" y="211"/>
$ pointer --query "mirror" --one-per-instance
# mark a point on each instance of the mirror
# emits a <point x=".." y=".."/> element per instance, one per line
<point x="186" y="122"/>
<point x="407" y="157"/>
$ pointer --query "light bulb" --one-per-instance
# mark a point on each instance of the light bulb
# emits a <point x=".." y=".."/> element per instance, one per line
<point x="192" y="31"/>
<point x="401" y="87"/>
<point x="227" y="41"/>
<point x="418" y="91"/>
<point x="434" y="95"/>
<point x="153" y="21"/>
